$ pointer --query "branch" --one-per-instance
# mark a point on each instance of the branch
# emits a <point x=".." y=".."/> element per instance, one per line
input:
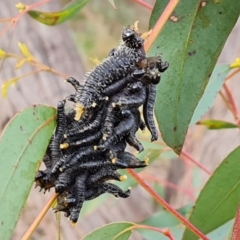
<point x="167" y="206"/>
<point x="160" y="23"/>
<point x="39" y="218"/>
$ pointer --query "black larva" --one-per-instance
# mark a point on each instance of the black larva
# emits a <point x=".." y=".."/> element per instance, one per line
<point x="88" y="146"/>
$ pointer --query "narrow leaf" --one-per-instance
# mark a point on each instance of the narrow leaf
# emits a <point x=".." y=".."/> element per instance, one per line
<point x="24" y="50"/>
<point x="22" y="147"/>
<point x="7" y="84"/>
<point x="217" y="124"/>
<point x="20" y="63"/>
<point x="191" y="42"/>
<point x="218" y="201"/>
<point x="54" y="18"/>
<point x="213" y="87"/>
<point x="2" y="54"/>
<point x="112" y="231"/>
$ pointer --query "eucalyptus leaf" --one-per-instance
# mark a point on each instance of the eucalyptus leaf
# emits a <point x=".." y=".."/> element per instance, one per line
<point x="22" y="147"/>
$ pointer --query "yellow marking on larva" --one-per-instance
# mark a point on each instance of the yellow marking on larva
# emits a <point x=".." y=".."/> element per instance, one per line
<point x="146" y="161"/>
<point x="123" y="178"/>
<point x="105" y="136"/>
<point x="79" y="109"/>
<point x="113" y="160"/>
<point x="73" y="224"/>
<point x="94" y="105"/>
<point x="64" y="145"/>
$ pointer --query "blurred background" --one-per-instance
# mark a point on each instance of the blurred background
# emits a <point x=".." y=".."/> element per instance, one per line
<point x="72" y="49"/>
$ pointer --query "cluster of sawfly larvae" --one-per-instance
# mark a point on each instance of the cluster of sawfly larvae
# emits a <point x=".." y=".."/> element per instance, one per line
<point x="88" y="145"/>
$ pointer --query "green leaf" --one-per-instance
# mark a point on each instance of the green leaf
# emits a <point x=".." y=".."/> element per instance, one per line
<point x="218" y="201"/>
<point x="217" y="124"/>
<point x="164" y="219"/>
<point x="54" y="18"/>
<point x="213" y="87"/>
<point x="221" y="232"/>
<point x="191" y="42"/>
<point x="112" y="231"/>
<point x="22" y="147"/>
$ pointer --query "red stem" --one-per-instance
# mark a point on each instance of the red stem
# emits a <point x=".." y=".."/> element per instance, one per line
<point x="166" y="183"/>
<point x="144" y="4"/>
<point x="187" y="155"/>
<point x="232" y="74"/>
<point x="226" y="101"/>
<point x="160" y="23"/>
<point x="232" y="103"/>
<point x="165" y="231"/>
<point x="236" y="226"/>
<point x="167" y="206"/>
<point x="39" y="218"/>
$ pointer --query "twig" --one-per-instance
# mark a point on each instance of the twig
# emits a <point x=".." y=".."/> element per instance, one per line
<point x="187" y="155"/>
<point x="167" y="206"/>
<point x="166" y="183"/>
<point x="236" y="226"/>
<point x="144" y="4"/>
<point x="226" y="101"/>
<point x="232" y="103"/>
<point x="165" y="231"/>
<point x="39" y="218"/>
<point x="232" y="74"/>
<point x="160" y="23"/>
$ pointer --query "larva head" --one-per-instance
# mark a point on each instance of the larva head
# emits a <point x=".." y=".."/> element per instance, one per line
<point x="131" y="38"/>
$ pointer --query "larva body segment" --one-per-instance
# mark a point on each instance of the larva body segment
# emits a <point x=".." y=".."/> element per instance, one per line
<point x="59" y="131"/>
<point x="87" y="126"/>
<point x="120" y="131"/>
<point x="103" y="175"/>
<point x="148" y="109"/>
<point x="88" y="140"/>
<point x="80" y="187"/>
<point x="116" y="191"/>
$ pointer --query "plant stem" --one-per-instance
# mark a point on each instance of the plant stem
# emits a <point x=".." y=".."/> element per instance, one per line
<point x="232" y="103"/>
<point x="166" y="183"/>
<point x="160" y="23"/>
<point x="236" y="226"/>
<point x="165" y="231"/>
<point x="167" y="206"/>
<point x="226" y="101"/>
<point x="144" y="4"/>
<point x="187" y="155"/>
<point x="232" y="74"/>
<point x="39" y="218"/>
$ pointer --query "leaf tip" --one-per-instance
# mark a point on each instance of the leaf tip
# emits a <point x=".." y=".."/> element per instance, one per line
<point x="178" y="149"/>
